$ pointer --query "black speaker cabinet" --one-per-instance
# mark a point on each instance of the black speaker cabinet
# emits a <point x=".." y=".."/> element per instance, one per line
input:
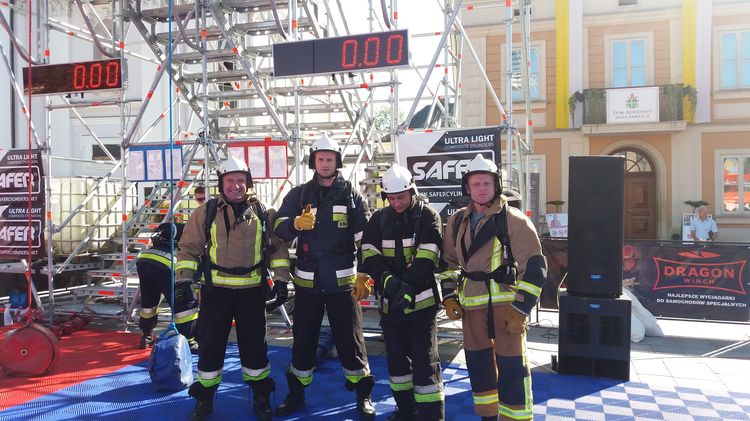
<point x="594" y="337"/>
<point x="595" y="226"/>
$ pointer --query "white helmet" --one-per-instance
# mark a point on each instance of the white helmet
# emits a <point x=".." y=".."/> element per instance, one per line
<point x="234" y="164"/>
<point x="325" y="143"/>
<point x="396" y="180"/>
<point x="480" y="165"/>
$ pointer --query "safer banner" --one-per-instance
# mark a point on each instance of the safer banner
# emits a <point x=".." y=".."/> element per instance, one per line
<point x="15" y="180"/>
<point x="438" y="159"/>
<point x="676" y="279"/>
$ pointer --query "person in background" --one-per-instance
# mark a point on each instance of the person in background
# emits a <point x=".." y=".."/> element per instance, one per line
<point x="400" y="250"/>
<point x="703" y="228"/>
<point x="229" y="241"/>
<point x="199" y="194"/>
<point x="154" y="266"/>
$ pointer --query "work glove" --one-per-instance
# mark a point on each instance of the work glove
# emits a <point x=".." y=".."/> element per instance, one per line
<point x="453" y="309"/>
<point x="183" y="291"/>
<point x="306" y="221"/>
<point x="514" y="320"/>
<point x="391" y="285"/>
<point x="281" y="293"/>
<point x="362" y="287"/>
<point x="404" y="298"/>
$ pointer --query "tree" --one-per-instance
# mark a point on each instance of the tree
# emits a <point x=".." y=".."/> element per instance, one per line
<point x="695" y="204"/>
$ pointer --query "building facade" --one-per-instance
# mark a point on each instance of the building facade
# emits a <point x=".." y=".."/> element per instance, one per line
<point x="664" y="83"/>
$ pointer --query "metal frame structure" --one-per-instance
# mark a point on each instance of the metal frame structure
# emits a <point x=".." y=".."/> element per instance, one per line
<point x="235" y="98"/>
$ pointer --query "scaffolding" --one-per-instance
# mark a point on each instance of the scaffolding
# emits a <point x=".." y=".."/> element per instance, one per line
<point x="216" y="54"/>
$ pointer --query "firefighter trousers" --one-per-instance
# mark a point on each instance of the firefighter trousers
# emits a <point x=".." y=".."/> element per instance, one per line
<point x="246" y="306"/>
<point x="345" y="317"/>
<point x="414" y="364"/>
<point x="498" y="368"/>
<point x="155" y="281"/>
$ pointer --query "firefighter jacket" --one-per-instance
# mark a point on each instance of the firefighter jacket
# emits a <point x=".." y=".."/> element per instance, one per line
<point x="235" y="244"/>
<point x="161" y="256"/>
<point x="327" y="255"/>
<point x="391" y="243"/>
<point x="530" y="264"/>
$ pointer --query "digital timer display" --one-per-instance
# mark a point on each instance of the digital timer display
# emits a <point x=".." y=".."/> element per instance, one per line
<point x="342" y="54"/>
<point x="73" y="77"/>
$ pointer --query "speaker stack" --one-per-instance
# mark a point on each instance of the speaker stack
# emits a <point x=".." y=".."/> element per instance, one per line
<point x="594" y="321"/>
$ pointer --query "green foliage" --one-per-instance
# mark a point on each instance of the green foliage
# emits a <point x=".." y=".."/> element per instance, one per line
<point x="695" y="204"/>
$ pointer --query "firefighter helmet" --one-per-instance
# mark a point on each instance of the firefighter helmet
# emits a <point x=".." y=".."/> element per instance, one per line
<point x="234" y="164"/>
<point x="325" y="143"/>
<point x="396" y="180"/>
<point x="480" y="165"/>
<point x="513" y="198"/>
<point x="165" y="232"/>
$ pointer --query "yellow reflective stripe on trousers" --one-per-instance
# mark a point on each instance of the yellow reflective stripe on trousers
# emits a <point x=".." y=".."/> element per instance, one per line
<point x="401" y="383"/>
<point x="530" y="288"/>
<point x="186" y="264"/>
<point x="485" y="398"/>
<point x="147" y="313"/>
<point x="186" y="316"/>
<point x="249" y="374"/>
<point x="209" y="378"/>
<point x="355" y="376"/>
<point x="304" y="376"/>
<point x="430" y="393"/>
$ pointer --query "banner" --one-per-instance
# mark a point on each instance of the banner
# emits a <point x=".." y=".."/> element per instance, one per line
<point x="675" y="279"/>
<point x="14" y="204"/>
<point x="265" y="159"/>
<point x="633" y="105"/>
<point x="438" y="160"/>
<point x="154" y="163"/>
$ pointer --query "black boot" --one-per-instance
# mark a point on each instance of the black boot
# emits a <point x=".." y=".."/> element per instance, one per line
<point x="262" y="398"/>
<point x="147" y="341"/>
<point x="203" y="408"/>
<point x="405" y="409"/>
<point x="294" y="400"/>
<point x="363" y="388"/>
<point x="489" y="418"/>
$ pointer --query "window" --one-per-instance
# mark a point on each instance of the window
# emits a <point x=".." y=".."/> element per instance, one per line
<point x="533" y="75"/>
<point x="735" y="184"/>
<point x="735" y="59"/>
<point x="635" y="161"/>
<point x="536" y="71"/>
<point x="628" y="63"/>
<point x="97" y="153"/>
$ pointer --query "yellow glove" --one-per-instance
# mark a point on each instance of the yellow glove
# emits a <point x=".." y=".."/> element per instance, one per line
<point x="362" y="287"/>
<point x="515" y="321"/>
<point x="306" y="221"/>
<point x="453" y="309"/>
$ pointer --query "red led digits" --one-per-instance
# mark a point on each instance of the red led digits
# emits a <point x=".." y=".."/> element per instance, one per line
<point x="349" y="45"/>
<point x="113" y="74"/>
<point x="79" y="77"/>
<point x="95" y="76"/>
<point x="397" y="39"/>
<point x="368" y="48"/>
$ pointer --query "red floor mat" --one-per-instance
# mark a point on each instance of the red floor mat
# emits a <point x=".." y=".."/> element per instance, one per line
<point x="84" y="355"/>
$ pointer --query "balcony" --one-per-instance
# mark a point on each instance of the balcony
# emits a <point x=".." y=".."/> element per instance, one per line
<point x="675" y="101"/>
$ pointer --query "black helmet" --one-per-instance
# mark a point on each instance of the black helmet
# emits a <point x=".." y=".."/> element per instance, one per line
<point x="162" y="237"/>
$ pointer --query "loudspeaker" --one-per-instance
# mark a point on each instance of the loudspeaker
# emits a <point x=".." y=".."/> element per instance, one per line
<point x="595" y="225"/>
<point x="594" y="337"/>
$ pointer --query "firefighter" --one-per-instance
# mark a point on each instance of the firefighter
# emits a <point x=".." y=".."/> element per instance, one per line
<point x="400" y="250"/>
<point x="327" y="216"/>
<point x="494" y="272"/>
<point x="154" y="266"/>
<point x="229" y="243"/>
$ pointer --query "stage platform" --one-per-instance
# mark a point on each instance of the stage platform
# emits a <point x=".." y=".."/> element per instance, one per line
<point x="699" y="371"/>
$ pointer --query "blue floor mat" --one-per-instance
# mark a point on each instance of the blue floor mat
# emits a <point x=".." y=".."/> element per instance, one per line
<point x="127" y="394"/>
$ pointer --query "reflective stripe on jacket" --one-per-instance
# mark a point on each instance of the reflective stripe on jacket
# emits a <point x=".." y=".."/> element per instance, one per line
<point x="527" y="252"/>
